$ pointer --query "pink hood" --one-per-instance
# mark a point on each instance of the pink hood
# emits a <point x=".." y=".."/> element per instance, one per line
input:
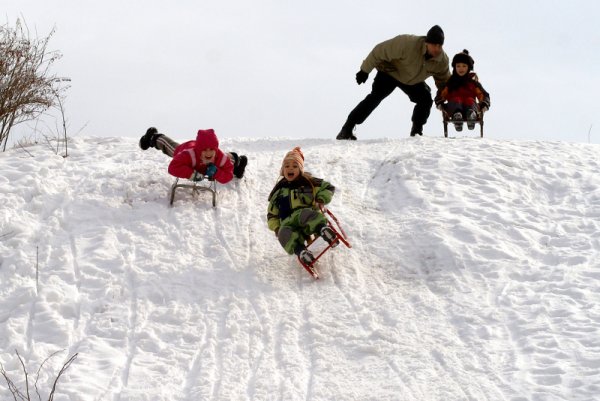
<point x="206" y="138"/>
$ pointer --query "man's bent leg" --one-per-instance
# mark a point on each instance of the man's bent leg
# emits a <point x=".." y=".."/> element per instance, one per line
<point x="420" y="94"/>
<point x="383" y="85"/>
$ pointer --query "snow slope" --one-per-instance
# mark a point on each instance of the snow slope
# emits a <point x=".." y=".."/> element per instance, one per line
<point x="474" y="275"/>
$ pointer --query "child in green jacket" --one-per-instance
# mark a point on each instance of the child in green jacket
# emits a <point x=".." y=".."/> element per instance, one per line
<point x="293" y="212"/>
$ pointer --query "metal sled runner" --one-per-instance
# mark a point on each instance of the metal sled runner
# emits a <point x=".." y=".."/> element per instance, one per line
<point x="448" y="120"/>
<point x="196" y="189"/>
<point x="318" y="252"/>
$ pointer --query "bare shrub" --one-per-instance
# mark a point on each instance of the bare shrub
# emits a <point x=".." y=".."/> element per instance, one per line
<point x="27" y="87"/>
<point x="25" y="393"/>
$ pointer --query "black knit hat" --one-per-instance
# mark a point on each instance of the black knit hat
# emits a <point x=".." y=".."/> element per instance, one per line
<point x="463" y="57"/>
<point x="435" y="35"/>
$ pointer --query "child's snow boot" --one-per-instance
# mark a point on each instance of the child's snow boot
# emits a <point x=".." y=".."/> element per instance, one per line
<point x="457" y="117"/>
<point x="240" y="166"/>
<point x="329" y="236"/>
<point x="306" y="257"/>
<point x="148" y="139"/>
<point x="471" y="118"/>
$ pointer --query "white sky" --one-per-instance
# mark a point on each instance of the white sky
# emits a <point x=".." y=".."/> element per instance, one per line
<point x="281" y="68"/>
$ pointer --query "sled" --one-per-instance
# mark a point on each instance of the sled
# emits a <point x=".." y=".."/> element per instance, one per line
<point x="448" y="120"/>
<point x="196" y="188"/>
<point x="319" y="247"/>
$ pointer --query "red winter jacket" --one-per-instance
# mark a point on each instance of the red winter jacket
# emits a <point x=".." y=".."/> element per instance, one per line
<point x="186" y="158"/>
<point x="465" y="94"/>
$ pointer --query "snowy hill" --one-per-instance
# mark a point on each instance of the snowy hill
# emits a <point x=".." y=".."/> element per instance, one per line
<point x="474" y="275"/>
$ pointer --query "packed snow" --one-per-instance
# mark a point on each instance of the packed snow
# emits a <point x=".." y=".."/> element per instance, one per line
<point x="474" y="274"/>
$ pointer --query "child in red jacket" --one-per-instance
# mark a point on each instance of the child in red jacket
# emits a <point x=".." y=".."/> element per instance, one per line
<point x="197" y="158"/>
<point x="461" y="92"/>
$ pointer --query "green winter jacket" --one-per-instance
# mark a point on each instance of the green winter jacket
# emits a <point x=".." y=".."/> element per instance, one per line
<point x="403" y="58"/>
<point x="301" y="193"/>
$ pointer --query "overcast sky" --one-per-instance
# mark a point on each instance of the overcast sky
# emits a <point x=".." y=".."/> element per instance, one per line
<point x="278" y="68"/>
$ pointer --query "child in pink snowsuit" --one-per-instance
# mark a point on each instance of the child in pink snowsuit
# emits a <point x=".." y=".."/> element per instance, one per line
<point x="197" y="158"/>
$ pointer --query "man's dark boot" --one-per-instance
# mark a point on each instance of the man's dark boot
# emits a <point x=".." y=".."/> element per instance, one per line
<point x="346" y="133"/>
<point x="417" y="129"/>
<point x="148" y="139"/>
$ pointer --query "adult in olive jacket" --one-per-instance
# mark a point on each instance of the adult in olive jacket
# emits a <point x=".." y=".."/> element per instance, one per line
<point x="404" y="62"/>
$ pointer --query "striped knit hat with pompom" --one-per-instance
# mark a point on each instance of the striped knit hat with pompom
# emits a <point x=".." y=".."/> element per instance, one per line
<point x="294" y="155"/>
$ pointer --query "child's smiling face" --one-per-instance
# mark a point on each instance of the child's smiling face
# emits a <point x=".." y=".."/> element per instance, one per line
<point x="461" y="69"/>
<point x="208" y="155"/>
<point x="291" y="170"/>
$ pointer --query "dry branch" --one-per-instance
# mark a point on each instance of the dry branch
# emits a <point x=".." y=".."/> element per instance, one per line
<point x="26" y="84"/>
<point x="19" y="395"/>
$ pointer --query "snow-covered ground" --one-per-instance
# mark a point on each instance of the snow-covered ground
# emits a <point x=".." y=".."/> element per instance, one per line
<point x="475" y="274"/>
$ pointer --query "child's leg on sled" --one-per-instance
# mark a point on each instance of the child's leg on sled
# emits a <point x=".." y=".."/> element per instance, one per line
<point x="165" y="144"/>
<point x="153" y="139"/>
<point x="301" y="225"/>
<point x="239" y="164"/>
<point x="472" y="116"/>
<point x="455" y="111"/>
